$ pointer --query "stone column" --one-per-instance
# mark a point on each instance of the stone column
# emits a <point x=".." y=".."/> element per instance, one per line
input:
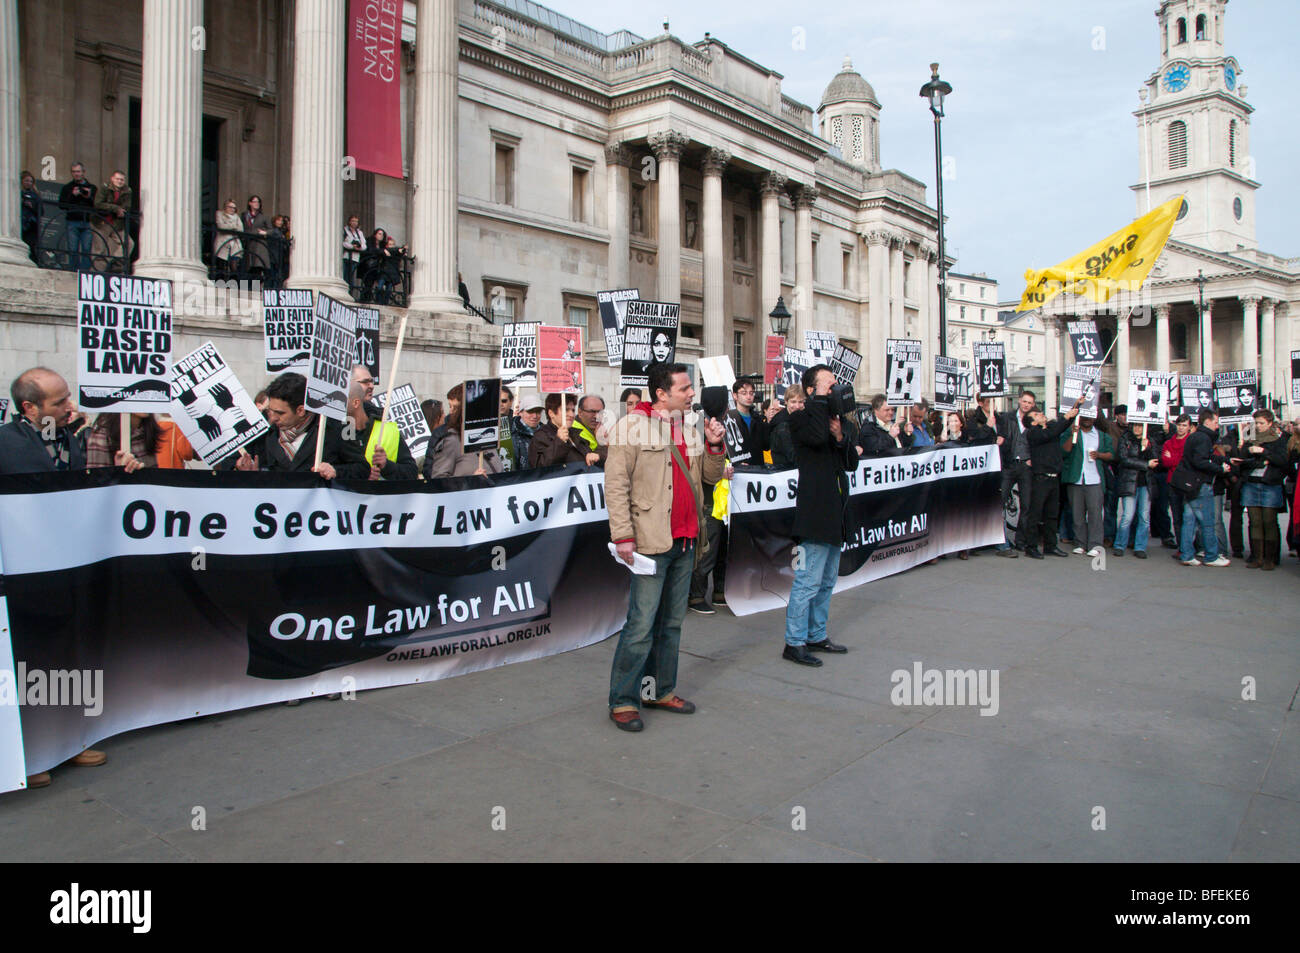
<point x="1051" y="351"/>
<point x="618" y="159"/>
<point x="12" y="249"/>
<point x="1206" y="342"/>
<point x="667" y="147"/>
<point x="1122" y="356"/>
<point x="897" y="293"/>
<point x="926" y="323"/>
<point x="715" y="286"/>
<point x="804" y="200"/>
<point x="771" y="186"/>
<point x="316" y="200"/>
<point x="1162" y="338"/>
<point x="1250" y="334"/>
<point x="877" y="307"/>
<point x="1285" y="340"/>
<point x="1268" y="381"/>
<point x="171" y="131"/>
<point x="434" y="190"/>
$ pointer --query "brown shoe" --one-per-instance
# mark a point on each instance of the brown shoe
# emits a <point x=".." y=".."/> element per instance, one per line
<point x="628" y="719"/>
<point x="41" y="780"/>
<point x="673" y="703"/>
<point x="90" y="758"/>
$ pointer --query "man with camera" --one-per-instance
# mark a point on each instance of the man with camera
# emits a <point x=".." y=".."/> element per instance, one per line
<point x="821" y="512"/>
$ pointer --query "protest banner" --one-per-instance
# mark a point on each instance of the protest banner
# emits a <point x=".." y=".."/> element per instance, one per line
<point x="947" y="382"/>
<point x="406" y="413"/>
<point x="287" y="326"/>
<point x="902" y="372"/>
<point x="1295" y="378"/>
<point x="333" y="350"/>
<point x="125" y="343"/>
<point x="1080" y="379"/>
<point x="846" y="363"/>
<point x="716" y="372"/>
<point x="1149" y="396"/>
<point x="773" y="359"/>
<point x="1196" y="391"/>
<point x="613" y="306"/>
<point x="519" y="354"/>
<point x="649" y="337"/>
<point x="1236" y="394"/>
<point x="559" y="360"/>
<point x="991" y="368"/>
<point x="1085" y="342"/>
<point x="367" y="353"/>
<point x="481" y="424"/>
<point x="211" y="406"/>
<point x="821" y="344"/>
<point x="902" y="512"/>
<point x="794" y="362"/>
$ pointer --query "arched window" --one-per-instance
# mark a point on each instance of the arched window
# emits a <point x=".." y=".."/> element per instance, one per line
<point x="1232" y="144"/>
<point x="1200" y="27"/>
<point x="1182" y="29"/>
<point x="1178" y="144"/>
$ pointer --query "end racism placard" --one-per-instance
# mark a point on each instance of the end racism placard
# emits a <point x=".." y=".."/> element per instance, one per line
<point x="649" y="337"/>
<point x="333" y="350"/>
<point x="287" y="325"/>
<point x="214" y="411"/>
<point x="613" y="307"/>
<point x="125" y="343"/>
<point x="559" y="360"/>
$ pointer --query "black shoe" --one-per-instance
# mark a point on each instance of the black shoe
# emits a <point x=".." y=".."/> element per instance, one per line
<point x="719" y="599"/>
<point x="1058" y="551"/>
<point x="1169" y="543"/>
<point x="1008" y="553"/>
<point x="1117" y="552"/>
<point x="1140" y="553"/>
<point x="1033" y="553"/>
<point x="826" y="645"/>
<point x="702" y="607"/>
<point x="800" y="654"/>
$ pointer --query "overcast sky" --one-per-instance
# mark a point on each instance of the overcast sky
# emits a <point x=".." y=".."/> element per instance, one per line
<point x="1040" y="123"/>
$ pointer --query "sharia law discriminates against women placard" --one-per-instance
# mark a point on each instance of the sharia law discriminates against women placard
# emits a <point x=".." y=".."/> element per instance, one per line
<point x="1236" y="394"/>
<point x="649" y="337"/>
<point x="947" y="382"/>
<point x="212" y="408"/>
<point x="1080" y="380"/>
<point x="287" y="325"/>
<point x="333" y="350"/>
<point x="125" y="343"/>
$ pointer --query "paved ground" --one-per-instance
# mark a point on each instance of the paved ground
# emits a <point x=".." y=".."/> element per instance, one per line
<point x="1119" y="690"/>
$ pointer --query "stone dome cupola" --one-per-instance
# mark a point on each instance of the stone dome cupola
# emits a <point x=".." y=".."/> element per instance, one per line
<point x="850" y="118"/>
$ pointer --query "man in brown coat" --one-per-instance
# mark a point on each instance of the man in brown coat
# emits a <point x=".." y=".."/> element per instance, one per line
<point x="653" y="478"/>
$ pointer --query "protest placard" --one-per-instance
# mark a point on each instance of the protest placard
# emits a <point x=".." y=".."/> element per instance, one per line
<point x="125" y="343"/>
<point x="794" y="362"/>
<point x="716" y="372"/>
<point x="1149" y="396"/>
<point x="333" y="351"/>
<point x="649" y="337"/>
<point x="367" y="353"/>
<point x="519" y="354"/>
<point x="846" y="363"/>
<point x="1235" y="394"/>
<point x="902" y="372"/>
<point x="991" y="368"/>
<point x="1295" y="378"/>
<point x="821" y="344"/>
<point x="287" y="325"/>
<point x="1080" y="379"/>
<point x="211" y="407"/>
<point x="1196" y="393"/>
<point x="481" y="425"/>
<point x="559" y="359"/>
<point x="966" y="381"/>
<point x="1085" y="342"/>
<point x="947" y="382"/>
<point x="773" y="358"/>
<point x="613" y="306"/>
<point x="406" y="413"/>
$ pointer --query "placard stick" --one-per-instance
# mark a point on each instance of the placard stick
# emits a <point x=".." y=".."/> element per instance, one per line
<point x="320" y="437"/>
<point x="124" y="434"/>
<point x="392" y="376"/>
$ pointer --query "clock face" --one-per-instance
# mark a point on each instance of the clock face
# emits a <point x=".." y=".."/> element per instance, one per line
<point x="1230" y="77"/>
<point x="1176" y="78"/>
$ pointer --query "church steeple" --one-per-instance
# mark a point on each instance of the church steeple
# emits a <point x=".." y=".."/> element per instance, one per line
<point x="1194" y="130"/>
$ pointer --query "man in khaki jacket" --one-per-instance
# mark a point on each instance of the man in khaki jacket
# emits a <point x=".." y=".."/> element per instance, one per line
<point x="654" y="510"/>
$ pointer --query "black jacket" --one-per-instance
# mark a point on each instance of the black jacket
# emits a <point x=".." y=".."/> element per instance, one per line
<point x="271" y="456"/>
<point x="23" y="451"/>
<point x="77" y="208"/>
<point x="780" y="442"/>
<point x="753" y="436"/>
<point x="1004" y="424"/>
<point x="1198" y="453"/>
<point x="547" y="450"/>
<point x="821" y="506"/>
<point x="1045" y="453"/>
<point x="875" y="440"/>
<point x="1269" y="467"/>
<point x="1131" y="463"/>
<point x="352" y="462"/>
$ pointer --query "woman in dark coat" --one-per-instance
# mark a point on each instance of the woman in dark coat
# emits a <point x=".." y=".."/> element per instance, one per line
<point x="257" y="259"/>
<point x="555" y="443"/>
<point x="779" y="439"/>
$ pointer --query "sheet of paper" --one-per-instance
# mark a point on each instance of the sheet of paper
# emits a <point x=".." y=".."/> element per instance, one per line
<point x="641" y="565"/>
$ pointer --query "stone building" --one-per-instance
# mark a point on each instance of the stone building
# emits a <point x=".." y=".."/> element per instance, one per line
<point x="544" y="161"/>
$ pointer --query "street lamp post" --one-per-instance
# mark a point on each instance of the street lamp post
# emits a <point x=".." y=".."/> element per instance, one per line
<point x="1201" y="343"/>
<point x="935" y="91"/>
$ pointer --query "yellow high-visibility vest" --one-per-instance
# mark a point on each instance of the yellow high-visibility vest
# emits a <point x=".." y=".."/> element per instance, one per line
<point x="392" y="437"/>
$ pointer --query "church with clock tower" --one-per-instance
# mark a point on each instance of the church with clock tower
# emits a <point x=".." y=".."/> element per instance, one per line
<point x="1218" y="302"/>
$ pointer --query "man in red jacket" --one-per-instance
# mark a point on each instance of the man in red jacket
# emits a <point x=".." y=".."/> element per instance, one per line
<point x="1171" y="454"/>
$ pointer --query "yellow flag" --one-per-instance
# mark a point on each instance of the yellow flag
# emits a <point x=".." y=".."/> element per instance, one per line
<point x="1118" y="262"/>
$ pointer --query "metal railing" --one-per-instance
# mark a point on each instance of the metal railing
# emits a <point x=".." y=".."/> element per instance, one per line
<point x="236" y="255"/>
<point x="93" y="245"/>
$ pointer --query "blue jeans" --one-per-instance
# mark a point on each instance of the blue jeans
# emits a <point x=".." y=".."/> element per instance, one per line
<point x="80" y="236"/>
<point x="810" y="596"/>
<point x="1130" y="507"/>
<point x="1221" y="530"/>
<point x="648" y="643"/>
<point x="1199" y="511"/>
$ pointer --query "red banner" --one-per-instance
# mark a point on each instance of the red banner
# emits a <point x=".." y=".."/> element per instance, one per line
<point x="773" y="358"/>
<point x="374" y="85"/>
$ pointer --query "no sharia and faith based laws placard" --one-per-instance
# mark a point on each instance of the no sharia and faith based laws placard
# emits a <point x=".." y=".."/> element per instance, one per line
<point x="287" y="324"/>
<point x="333" y="351"/>
<point x="408" y="416"/>
<point x="519" y="354"/>
<point x="846" y="363"/>
<point x="125" y="343"/>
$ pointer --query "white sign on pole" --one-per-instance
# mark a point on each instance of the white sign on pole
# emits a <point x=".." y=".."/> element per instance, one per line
<point x="333" y="350"/>
<point x="211" y="407"/>
<point x="902" y="372"/>
<point x="519" y="354"/>
<point x="1149" y="396"/>
<point x="287" y="325"/>
<point x="408" y="416"/>
<point x="125" y="348"/>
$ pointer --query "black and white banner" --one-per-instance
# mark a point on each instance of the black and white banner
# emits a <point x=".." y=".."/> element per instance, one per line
<point x="1085" y="342"/>
<point x="367" y="352"/>
<point x="519" y="354"/>
<point x="947" y="382"/>
<point x="1196" y="393"/>
<point x="333" y="352"/>
<point x="1236" y="393"/>
<point x="4" y="409"/>
<point x="1295" y="378"/>
<point x="796" y="361"/>
<point x="821" y="344"/>
<point x="991" y="368"/>
<point x="408" y="416"/>
<point x="846" y="363"/>
<point x="212" y="408"/>
<point x="1080" y="379"/>
<point x="904" y="511"/>
<point x="649" y="337"/>
<point x="287" y="326"/>
<point x="613" y="308"/>
<point x="124" y="352"/>
<point x="1150" y="397"/>
<point x="902" y="372"/>
<point x="481" y="424"/>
